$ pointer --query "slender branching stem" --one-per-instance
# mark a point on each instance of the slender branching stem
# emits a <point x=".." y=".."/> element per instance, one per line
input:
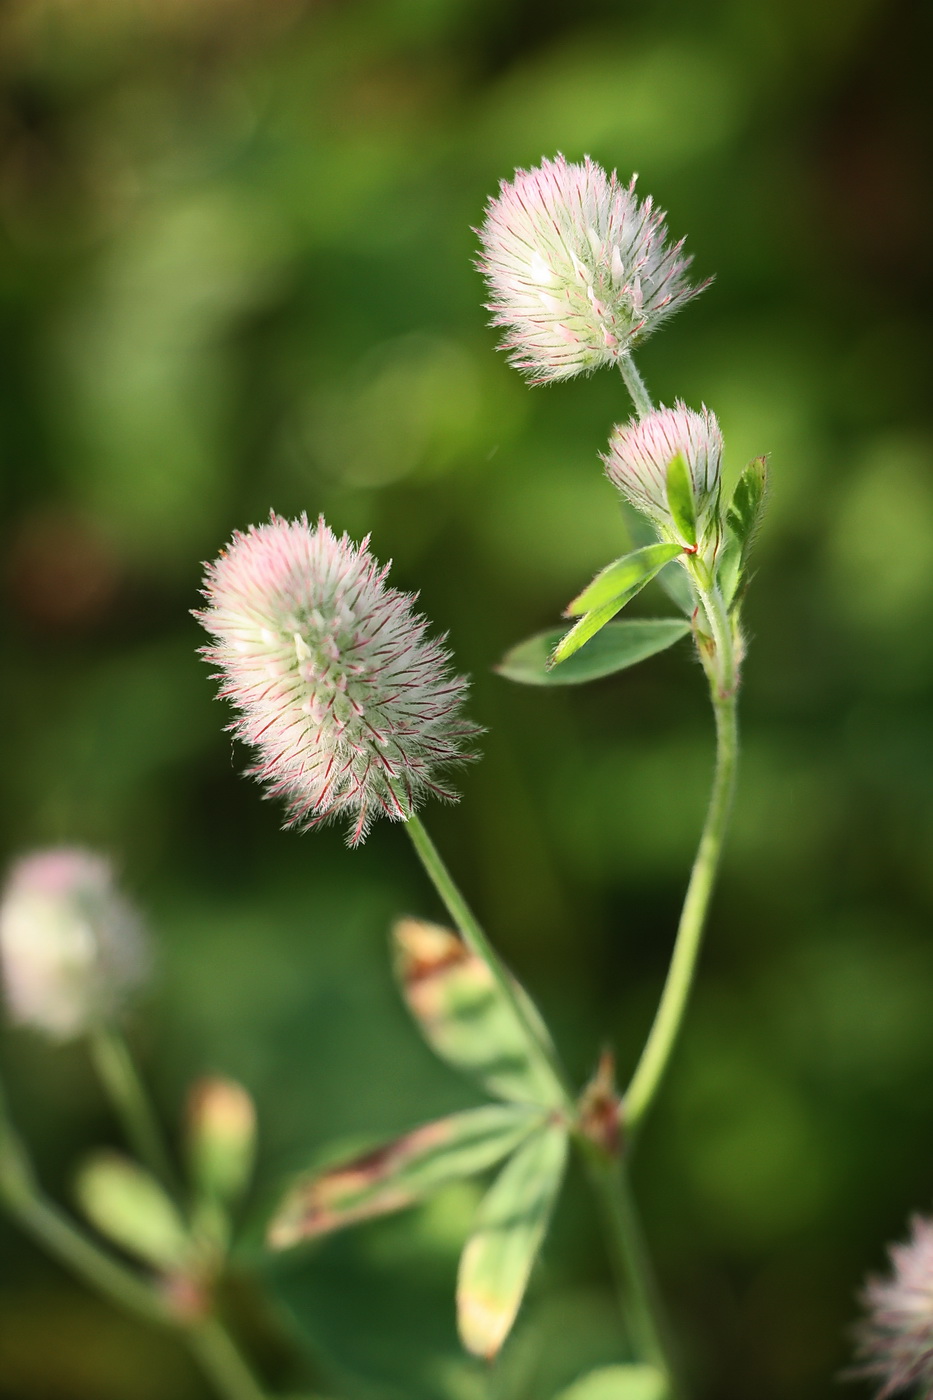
<point x="125" y="1089"/>
<point x="539" y="1047"/>
<point x="635" y="385"/>
<point x="667" y="1022"/>
<point x="222" y="1362"/>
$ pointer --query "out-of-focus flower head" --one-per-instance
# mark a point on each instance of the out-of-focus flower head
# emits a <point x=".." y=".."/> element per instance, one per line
<point x="71" y="946"/>
<point x="896" y="1337"/>
<point x="351" y="708"/>
<point x="641" y="451"/>
<point x="580" y="269"/>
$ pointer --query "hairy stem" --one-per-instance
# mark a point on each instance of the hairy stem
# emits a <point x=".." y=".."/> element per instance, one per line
<point x="121" y="1080"/>
<point x="667" y="1022"/>
<point x="473" y="936"/>
<point x="635" y="385"/>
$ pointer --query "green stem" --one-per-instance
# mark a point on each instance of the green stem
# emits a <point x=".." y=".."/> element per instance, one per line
<point x="123" y="1085"/>
<point x="629" y="1257"/>
<point x="221" y="1361"/>
<point x="657" y="1052"/>
<point x="635" y="385"/>
<point x="475" y="939"/>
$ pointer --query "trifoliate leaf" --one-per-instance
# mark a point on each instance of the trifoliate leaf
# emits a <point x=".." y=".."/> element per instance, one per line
<point x="614" y="648"/>
<point x="401" y="1172"/>
<point x="510" y="1227"/>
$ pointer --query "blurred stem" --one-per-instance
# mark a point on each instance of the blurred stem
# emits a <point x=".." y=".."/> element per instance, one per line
<point x="639" y="1295"/>
<point x="476" y="940"/>
<point x="126" y="1091"/>
<point x="667" y="1022"/>
<point x="221" y="1361"/>
<point x="212" y="1346"/>
<point x="635" y="385"/>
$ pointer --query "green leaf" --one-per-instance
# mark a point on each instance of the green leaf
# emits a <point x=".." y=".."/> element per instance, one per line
<point x="680" y="499"/>
<point x="510" y="1229"/>
<point x="586" y="628"/>
<point x="745" y="508"/>
<point x="614" y="648"/>
<point x="400" y="1172"/>
<point x="466" y="1019"/>
<point x="621" y="580"/>
<point x="618" y="1383"/>
<point x="673" y="577"/>
<point x="128" y="1206"/>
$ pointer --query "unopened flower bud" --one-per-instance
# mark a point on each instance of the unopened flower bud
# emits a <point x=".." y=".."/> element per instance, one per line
<point x="71" y="946"/>
<point x="580" y="270"/>
<point x="221" y="1130"/>
<point x="351" y="708"/>
<point x="896" y="1338"/>
<point x="639" y="459"/>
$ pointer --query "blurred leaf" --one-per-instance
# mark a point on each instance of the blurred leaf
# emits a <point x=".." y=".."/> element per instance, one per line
<point x="673" y="577"/>
<point x="618" y="1383"/>
<point x="221" y="1137"/>
<point x="680" y="499"/>
<point x="464" y="1016"/>
<point x="510" y="1228"/>
<point x="129" y="1206"/>
<point x="614" y="648"/>
<point x="621" y="580"/>
<point x="400" y="1172"/>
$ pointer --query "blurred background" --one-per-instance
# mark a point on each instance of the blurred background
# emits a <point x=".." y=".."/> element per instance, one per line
<point x="237" y="274"/>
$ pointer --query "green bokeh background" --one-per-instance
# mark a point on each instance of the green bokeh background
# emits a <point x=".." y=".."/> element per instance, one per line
<point x="236" y="275"/>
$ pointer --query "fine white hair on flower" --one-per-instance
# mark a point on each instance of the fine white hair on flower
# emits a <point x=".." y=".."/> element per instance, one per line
<point x="896" y="1337"/>
<point x="350" y="707"/>
<point x="579" y="268"/>
<point x="71" y="946"/>
<point x="641" y="451"/>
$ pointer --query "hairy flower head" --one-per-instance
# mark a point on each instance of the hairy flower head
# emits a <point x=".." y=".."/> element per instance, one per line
<point x="71" y="946"/>
<point x="641" y="451"/>
<point x="896" y="1338"/>
<point x="350" y="707"/>
<point x="579" y="268"/>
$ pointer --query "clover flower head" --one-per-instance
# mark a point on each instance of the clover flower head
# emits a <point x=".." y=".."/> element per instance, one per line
<point x="896" y="1337"/>
<point x="71" y="946"/>
<point x="580" y="269"/>
<point x="350" y="707"/>
<point x="641" y="451"/>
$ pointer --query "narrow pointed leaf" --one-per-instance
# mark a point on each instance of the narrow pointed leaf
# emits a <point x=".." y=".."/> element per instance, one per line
<point x="680" y="499"/>
<point x="624" y="578"/>
<point x="128" y="1206"/>
<point x="673" y="577"/>
<point x="619" y="1383"/>
<point x="510" y="1227"/>
<point x="466" y="1019"/>
<point x="614" y="648"/>
<point x="400" y="1172"/>
<point x="745" y="508"/>
<point x="729" y="567"/>
<point x="586" y="628"/>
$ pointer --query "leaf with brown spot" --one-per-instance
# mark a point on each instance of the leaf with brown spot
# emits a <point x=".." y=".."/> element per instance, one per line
<point x="400" y="1172"/>
<point x="465" y="1018"/>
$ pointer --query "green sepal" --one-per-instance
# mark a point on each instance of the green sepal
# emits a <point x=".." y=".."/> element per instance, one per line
<point x="510" y="1227"/>
<point x="401" y="1172"/>
<point x="621" y="580"/>
<point x="673" y="577"/>
<point x="619" y="1383"/>
<point x="680" y="499"/>
<point x="466" y="1018"/>
<point x="129" y="1207"/>
<point x="614" y="648"/>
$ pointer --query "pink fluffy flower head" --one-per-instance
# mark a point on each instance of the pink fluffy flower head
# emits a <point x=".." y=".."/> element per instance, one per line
<point x="70" y="944"/>
<point x="349" y="706"/>
<point x="579" y="268"/>
<point x="641" y="451"/>
<point x="896" y="1338"/>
